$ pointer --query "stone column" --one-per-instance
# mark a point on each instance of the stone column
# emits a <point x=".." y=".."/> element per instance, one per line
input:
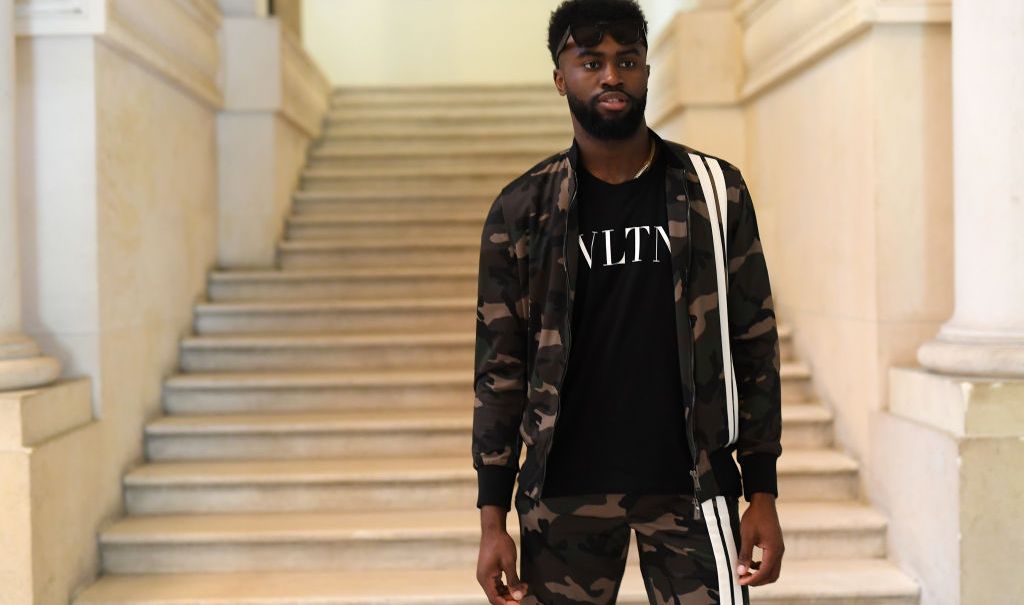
<point x="985" y="336"/>
<point x="946" y="453"/>
<point x="21" y="365"/>
<point x="275" y="98"/>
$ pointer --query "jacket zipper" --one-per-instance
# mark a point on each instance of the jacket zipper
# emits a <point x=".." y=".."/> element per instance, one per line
<point x="692" y="384"/>
<point x="568" y="333"/>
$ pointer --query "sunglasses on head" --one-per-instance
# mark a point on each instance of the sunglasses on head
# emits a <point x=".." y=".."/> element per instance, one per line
<point x="625" y="32"/>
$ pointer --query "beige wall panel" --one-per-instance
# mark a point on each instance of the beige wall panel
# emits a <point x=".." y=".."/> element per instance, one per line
<point x="811" y="161"/>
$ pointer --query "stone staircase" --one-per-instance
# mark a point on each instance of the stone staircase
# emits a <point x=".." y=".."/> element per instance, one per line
<point x="316" y="444"/>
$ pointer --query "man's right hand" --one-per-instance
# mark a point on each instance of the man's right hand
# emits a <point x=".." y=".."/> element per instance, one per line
<point x="497" y="555"/>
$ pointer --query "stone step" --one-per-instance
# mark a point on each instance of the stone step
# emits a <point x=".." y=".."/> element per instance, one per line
<point x="392" y="483"/>
<point x="281" y="392"/>
<point x="473" y="149"/>
<point x="545" y="103"/>
<point x="424" y="251"/>
<point x="441" y="114"/>
<point x="377" y="163"/>
<point x="787" y="350"/>
<point x="366" y="433"/>
<point x="496" y="170"/>
<point x="801" y="582"/>
<point x="407" y="203"/>
<point x="396" y="179"/>
<point x="797" y="384"/>
<point x="357" y="351"/>
<point x="546" y="99"/>
<point x="284" y="392"/>
<point x="394" y="315"/>
<point x="355" y="433"/>
<point x="807" y="425"/>
<point x="398" y="539"/>
<point x="451" y="133"/>
<point x="485" y="187"/>
<point x="464" y="224"/>
<point x="481" y="94"/>
<point x="483" y="99"/>
<point x="352" y="351"/>
<point x="361" y="283"/>
<point x="402" y="155"/>
<point x="350" y="283"/>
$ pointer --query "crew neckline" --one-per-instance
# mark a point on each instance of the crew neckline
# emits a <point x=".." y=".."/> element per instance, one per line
<point x="655" y="164"/>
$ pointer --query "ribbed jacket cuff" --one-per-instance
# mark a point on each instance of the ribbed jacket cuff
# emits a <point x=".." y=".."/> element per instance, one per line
<point x="495" y="485"/>
<point x="759" y="474"/>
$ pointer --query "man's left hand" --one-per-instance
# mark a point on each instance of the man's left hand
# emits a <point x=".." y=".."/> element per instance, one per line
<point x="760" y="526"/>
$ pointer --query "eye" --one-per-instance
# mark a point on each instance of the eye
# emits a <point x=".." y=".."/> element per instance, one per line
<point x="631" y="62"/>
<point x="589" y="63"/>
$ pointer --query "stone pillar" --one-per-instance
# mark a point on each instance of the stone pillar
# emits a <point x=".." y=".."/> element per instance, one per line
<point x="275" y="98"/>
<point x="948" y="449"/>
<point x="21" y="365"/>
<point x="985" y="336"/>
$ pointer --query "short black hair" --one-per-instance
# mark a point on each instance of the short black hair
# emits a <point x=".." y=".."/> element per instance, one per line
<point x="588" y="12"/>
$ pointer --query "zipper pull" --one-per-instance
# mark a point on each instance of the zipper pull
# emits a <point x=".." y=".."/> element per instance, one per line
<point x="696" y="489"/>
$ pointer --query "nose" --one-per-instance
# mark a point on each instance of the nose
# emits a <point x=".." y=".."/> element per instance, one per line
<point x="610" y="75"/>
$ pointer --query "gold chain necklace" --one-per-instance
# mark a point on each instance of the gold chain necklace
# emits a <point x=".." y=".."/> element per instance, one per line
<point x="647" y="164"/>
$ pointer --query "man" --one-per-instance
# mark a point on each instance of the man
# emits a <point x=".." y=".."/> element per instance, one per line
<point x="624" y="307"/>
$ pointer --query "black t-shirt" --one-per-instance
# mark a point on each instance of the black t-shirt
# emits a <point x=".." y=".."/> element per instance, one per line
<point x="621" y="427"/>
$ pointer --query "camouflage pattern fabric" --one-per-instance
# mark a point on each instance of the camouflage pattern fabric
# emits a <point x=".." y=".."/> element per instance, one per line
<point x="574" y="549"/>
<point x="527" y="273"/>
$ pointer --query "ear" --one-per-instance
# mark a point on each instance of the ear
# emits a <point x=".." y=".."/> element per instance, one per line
<point x="559" y="79"/>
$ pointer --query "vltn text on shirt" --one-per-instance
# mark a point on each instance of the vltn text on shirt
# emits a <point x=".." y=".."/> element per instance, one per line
<point x="640" y="236"/>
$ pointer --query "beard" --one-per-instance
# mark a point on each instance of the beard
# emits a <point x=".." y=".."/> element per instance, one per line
<point x="617" y="127"/>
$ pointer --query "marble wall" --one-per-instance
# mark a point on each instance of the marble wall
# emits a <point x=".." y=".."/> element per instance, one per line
<point x="119" y="221"/>
<point x="851" y="158"/>
<point x="119" y="211"/>
<point x="840" y="120"/>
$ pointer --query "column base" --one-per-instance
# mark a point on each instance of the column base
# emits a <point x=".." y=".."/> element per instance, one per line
<point x="945" y="455"/>
<point x="985" y="359"/>
<point x="22" y="366"/>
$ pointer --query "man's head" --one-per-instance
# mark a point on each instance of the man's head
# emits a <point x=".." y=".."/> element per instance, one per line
<point x="604" y="74"/>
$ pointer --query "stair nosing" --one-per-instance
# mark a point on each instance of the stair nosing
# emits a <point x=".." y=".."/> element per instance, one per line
<point x="354" y="339"/>
<point x="331" y="526"/>
<point x="845" y="577"/>
<point x="390" y="469"/>
<point x="286" y="306"/>
<point x="376" y="243"/>
<point x="341" y="272"/>
<point x="336" y="378"/>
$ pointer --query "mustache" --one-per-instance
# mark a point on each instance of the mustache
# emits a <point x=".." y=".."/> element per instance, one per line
<point x="597" y="97"/>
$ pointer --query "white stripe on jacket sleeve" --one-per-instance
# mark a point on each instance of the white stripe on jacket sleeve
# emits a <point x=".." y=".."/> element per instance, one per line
<point x="715" y="197"/>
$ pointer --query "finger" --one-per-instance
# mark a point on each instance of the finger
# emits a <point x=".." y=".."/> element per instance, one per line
<point x="495" y="590"/>
<point x="516" y="589"/>
<point x="765" y="570"/>
<point x="746" y="553"/>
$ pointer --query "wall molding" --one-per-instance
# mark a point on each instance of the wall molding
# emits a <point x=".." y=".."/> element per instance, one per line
<point x="59" y="17"/>
<point x="177" y="40"/>
<point x="695" y="62"/>
<point x="304" y="88"/>
<point x="779" y="42"/>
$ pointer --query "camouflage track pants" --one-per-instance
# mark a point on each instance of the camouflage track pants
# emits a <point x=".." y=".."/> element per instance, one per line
<point x="573" y="548"/>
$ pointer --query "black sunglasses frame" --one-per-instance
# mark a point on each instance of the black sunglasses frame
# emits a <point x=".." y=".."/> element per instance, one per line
<point x="629" y="32"/>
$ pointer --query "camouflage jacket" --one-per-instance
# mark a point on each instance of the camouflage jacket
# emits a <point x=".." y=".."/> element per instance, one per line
<point x="527" y="277"/>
